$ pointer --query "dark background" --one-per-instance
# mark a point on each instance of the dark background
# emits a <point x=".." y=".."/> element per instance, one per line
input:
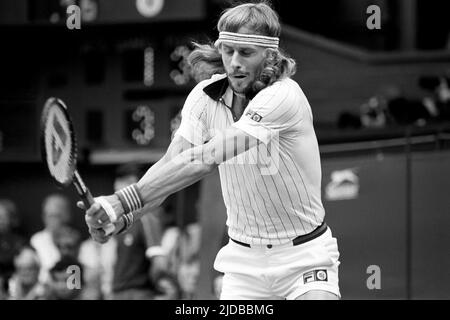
<point x="399" y="220"/>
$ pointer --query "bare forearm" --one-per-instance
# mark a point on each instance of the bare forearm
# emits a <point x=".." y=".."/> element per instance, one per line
<point x="182" y="171"/>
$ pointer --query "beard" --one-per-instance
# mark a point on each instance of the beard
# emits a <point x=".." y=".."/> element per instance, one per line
<point x="249" y="90"/>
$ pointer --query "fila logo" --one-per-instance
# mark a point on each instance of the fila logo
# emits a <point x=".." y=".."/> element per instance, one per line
<point x="315" y="275"/>
<point x="253" y="115"/>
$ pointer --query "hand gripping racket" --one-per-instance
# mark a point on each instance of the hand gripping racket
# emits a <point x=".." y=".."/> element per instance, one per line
<point x="59" y="150"/>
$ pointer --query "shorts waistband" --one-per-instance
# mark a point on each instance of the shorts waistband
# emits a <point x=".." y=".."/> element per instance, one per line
<point x="298" y="240"/>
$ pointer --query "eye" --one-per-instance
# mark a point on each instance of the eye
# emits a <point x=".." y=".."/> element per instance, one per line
<point x="227" y="50"/>
<point x="246" y="53"/>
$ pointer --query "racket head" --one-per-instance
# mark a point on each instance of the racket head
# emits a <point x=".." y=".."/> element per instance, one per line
<point x="58" y="143"/>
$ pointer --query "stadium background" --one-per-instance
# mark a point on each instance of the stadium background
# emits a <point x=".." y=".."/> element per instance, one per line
<point x="389" y="206"/>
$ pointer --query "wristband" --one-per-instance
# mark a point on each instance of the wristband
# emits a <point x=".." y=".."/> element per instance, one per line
<point x="128" y="220"/>
<point x="107" y="207"/>
<point x="130" y="198"/>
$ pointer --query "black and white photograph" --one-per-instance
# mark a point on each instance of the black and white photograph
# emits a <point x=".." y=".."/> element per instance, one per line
<point x="205" y="151"/>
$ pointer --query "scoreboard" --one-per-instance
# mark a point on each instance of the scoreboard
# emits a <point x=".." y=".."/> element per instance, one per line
<point x="22" y="12"/>
<point x="124" y="83"/>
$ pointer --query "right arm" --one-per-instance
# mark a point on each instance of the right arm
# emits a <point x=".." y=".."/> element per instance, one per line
<point x="177" y="146"/>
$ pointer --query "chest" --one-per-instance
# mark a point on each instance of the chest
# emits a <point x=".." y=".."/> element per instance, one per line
<point x="221" y="116"/>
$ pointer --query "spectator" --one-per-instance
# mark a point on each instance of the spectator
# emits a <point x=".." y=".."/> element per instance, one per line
<point x="98" y="262"/>
<point x="67" y="240"/>
<point x="10" y="242"/>
<point x="141" y="244"/>
<point x="438" y="103"/>
<point x="55" y="215"/>
<point x="25" y="284"/>
<point x="188" y="274"/>
<point x="180" y="245"/>
<point x="65" y="280"/>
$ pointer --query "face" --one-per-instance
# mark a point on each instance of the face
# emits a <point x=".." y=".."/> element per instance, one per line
<point x="242" y="63"/>
<point x="67" y="246"/>
<point x="27" y="271"/>
<point x="56" y="214"/>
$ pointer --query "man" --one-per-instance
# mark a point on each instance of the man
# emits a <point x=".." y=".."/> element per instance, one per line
<point x="24" y="283"/>
<point x="55" y="215"/>
<point x="141" y="245"/>
<point x="65" y="280"/>
<point x="10" y="242"/>
<point x="255" y="124"/>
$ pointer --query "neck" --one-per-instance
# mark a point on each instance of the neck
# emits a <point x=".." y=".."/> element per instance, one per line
<point x="239" y="95"/>
<point x="240" y="101"/>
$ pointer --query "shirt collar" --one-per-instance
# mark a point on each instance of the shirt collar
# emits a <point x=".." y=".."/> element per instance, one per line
<point x="217" y="89"/>
<point x="220" y="90"/>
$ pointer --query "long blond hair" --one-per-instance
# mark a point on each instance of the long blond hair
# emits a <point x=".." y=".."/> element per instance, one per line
<point x="262" y="20"/>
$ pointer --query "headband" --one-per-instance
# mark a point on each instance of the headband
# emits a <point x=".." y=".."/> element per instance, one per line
<point x="252" y="39"/>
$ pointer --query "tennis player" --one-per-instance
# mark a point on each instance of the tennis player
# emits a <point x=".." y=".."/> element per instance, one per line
<point x="254" y="124"/>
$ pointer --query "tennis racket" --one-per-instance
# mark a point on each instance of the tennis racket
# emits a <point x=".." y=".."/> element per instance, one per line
<point x="59" y="150"/>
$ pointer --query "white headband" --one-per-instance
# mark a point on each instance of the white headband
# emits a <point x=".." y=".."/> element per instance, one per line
<point x="252" y="39"/>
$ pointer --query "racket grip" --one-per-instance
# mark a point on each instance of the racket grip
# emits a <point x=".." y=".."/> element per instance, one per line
<point x="109" y="229"/>
<point x="88" y="199"/>
<point x="82" y="190"/>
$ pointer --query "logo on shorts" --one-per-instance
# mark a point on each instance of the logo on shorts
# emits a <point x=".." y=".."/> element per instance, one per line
<point x="253" y="115"/>
<point x="315" y="275"/>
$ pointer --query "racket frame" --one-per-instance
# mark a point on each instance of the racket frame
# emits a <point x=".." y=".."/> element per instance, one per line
<point x="75" y="178"/>
<point x="73" y="152"/>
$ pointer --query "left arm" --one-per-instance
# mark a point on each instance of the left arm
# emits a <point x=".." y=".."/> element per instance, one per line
<point x="179" y="172"/>
<point x="192" y="165"/>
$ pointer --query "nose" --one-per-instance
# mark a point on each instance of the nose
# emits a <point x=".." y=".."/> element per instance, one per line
<point x="235" y="62"/>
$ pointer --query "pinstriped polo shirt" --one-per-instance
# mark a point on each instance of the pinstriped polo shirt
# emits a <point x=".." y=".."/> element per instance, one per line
<point x="272" y="192"/>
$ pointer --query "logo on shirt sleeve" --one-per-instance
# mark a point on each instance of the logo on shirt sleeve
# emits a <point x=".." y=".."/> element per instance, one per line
<point x="315" y="275"/>
<point x="253" y="115"/>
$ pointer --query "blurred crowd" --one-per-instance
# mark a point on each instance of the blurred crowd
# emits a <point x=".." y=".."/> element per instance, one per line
<point x="149" y="261"/>
<point x="393" y="107"/>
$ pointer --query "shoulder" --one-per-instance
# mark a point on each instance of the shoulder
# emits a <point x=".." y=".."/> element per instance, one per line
<point x="282" y="92"/>
<point x="214" y="78"/>
<point x="202" y="95"/>
<point x="283" y="86"/>
<point x="199" y="89"/>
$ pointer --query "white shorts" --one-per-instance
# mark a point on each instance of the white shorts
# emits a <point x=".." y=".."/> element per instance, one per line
<point x="281" y="272"/>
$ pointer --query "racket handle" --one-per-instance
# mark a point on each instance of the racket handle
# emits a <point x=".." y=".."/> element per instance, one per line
<point x="82" y="190"/>
<point x="88" y="199"/>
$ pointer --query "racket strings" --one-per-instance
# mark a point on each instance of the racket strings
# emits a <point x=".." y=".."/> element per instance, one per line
<point x="59" y="145"/>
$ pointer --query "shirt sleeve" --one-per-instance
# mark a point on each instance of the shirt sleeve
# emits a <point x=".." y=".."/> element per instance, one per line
<point x="193" y="117"/>
<point x="272" y="111"/>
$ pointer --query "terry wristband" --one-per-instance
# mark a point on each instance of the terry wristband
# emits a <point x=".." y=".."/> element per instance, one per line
<point x="130" y="198"/>
<point x="128" y="220"/>
<point x="107" y="207"/>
